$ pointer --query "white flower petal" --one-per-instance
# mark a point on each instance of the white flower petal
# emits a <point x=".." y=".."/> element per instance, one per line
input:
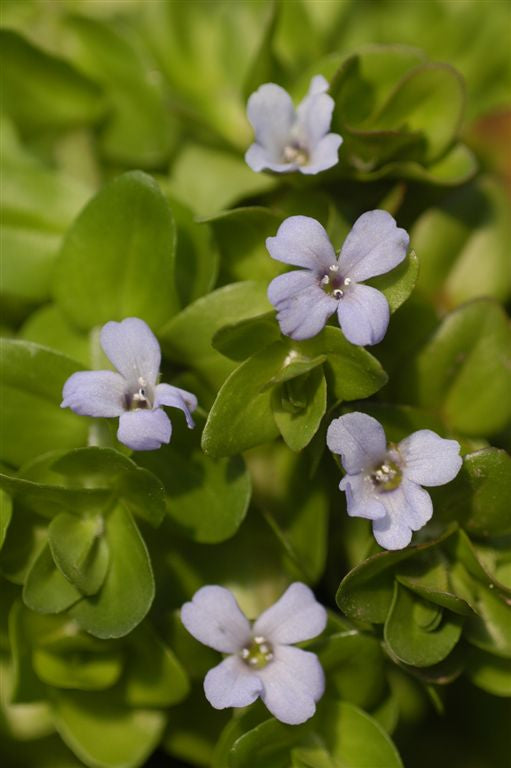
<point x="363" y="314"/>
<point x="259" y="159"/>
<point x="409" y="507"/>
<point x="303" y="307"/>
<point x="283" y="287"/>
<point x="303" y="242"/>
<point x="374" y="246"/>
<point x="133" y="348"/>
<point x="214" y="618"/>
<point x="174" y="397"/>
<point x="296" y="616"/>
<point x="361" y="498"/>
<point x="144" y="430"/>
<point x="232" y="684"/>
<point x="272" y="115"/>
<point x="293" y="682"/>
<point x="359" y="440"/>
<point x="305" y="313"/>
<point x="318" y="85"/>
<point x="391" y="534"/>
<point x="324" y="155"/>
<point x="430" y="459"/>
<point x="95" y="393"/>
<point x="314" y="118"/>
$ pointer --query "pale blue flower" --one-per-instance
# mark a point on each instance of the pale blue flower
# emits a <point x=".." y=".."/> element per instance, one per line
<point x="383" y="482"/>
<point x="261" y="661"/>
<point x="305" y="299"/>
<point x="133" y="393"/>
<point x="292" y="140"/>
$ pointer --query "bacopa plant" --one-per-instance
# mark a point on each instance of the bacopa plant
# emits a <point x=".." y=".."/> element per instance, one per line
<point x="255" y="478"/>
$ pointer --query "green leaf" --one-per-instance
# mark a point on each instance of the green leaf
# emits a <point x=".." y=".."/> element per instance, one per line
<point x="35" y="197"/>
<point x="295" y="507"/>
<point x="153" y="676"/>
<point x="42" y="91"/>
<point x="27" y="261"/>
<point x="31" y="391"/>
<point x="49" y="327"/>
<point x="46" y="589"/>
<point x="196" y="255"/>
<point x="391" y="105"/>
<point x="429" y="100"/>
<point x="418" y="632"/>
<point x="141" y="492"/>
<point x="354" y="665"/>
<point x="349" y="736"/>
<point x="211" y="180"/>
<point x="48" y="500"/>
<point x="311" y="757"/>
<point x="464" y="371"/>
<point x="241" y="238"/>
<point x="371" y="75"/>
<point x="79" y="550"/>
<point x="398" y="284"/>
<point x="491" y="630"/>
<point x="489" y="672"/>
<point x="298" y="407"/>
<point x="186" y="339"/>
<point x="366" y="592"/>
<point x="128" y="590"/>
<point x="138" y="130"/>
<point x="25" y="686"/>
<point x="241" y="416"/>
<point x="190" y="47"/>
<point x="462" y="246"/>
<point x="457" y="166"/>
<point x="240" y="341"/>
<point x="102" y="731"/>
<point x="479" y="496"/>
<point x="194" y="731"/>
<point x="103" y="272"/>
<point x="351" y="371"/>
<point x="79" y="662"/>
<point x="5" y="515"/>
<point x="195" y="482"/>
<point x="25" y="537"/>
<point x="356" y="740"/>
<point x="268" y="745"/>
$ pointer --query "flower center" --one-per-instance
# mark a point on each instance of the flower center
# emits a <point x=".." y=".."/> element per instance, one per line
<point x="258" y="654"/>
<point x="295" y="153"/>
<point x="333" y="283"/>
<point x="140" y="398"/>
<point x="386" y="477"/>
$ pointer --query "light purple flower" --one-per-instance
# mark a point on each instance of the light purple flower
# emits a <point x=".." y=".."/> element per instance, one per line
<point x="383" y="482"/>
<point x="261" y="661"/>
<point x="292" y="140"/>
<point x="133" y="393"/>
<point x="305" y="299"/>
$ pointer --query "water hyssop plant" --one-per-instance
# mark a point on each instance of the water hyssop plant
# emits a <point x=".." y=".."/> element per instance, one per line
<point x="255" y="384"/>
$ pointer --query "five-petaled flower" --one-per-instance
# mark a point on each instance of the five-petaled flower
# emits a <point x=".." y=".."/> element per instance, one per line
<point x="292" y="140"/>
<point x="383" y="482"/>
<point x="261" y="662"/>
<point x="306" y="298"/>
<point x="133" y="393"/>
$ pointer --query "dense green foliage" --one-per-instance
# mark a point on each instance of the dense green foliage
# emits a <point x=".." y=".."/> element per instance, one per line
<point x="125" y="193"/>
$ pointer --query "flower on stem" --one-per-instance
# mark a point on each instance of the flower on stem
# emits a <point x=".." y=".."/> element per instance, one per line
<point x="306" y="298"/>
<point x="261" y="661"/>
<point x="133" y="393"/>
<point x="383" y="482"/>
<point x="289" y="140"/>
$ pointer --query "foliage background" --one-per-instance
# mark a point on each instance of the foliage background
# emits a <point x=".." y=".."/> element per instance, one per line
<point x="156" y="90"/>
